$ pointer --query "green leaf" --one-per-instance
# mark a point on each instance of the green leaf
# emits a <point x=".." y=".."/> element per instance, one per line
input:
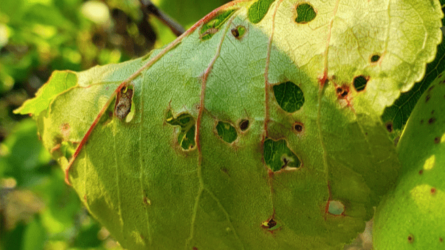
<point x="305" y="13"/>
<point x="60" y="82"/>
<point x="140" y="181"/>
<point x="411" y="216"/>
<point x="258" y="10"/>
<point x="23" y="156"/>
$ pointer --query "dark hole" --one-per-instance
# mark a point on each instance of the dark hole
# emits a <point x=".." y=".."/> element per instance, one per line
<point x="298" y="127"/>
<point x="421" y="171"/>
<point x="244" y="125"/>
<point x="360" y="83"/>
<point x="272" y="223"/>
<point x="437" y="140"/>
<point x="375" y="58"/>
<point x="410" y="239"/>
<point x="339" y="90"/>
<point x="342" y="92"/>
<point x="433" y="190"/>
<point x="389" y="127"/>
<point x="235" y="33"/>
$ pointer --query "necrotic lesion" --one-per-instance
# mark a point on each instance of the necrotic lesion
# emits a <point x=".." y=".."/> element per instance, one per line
<point x="123" y="103"/>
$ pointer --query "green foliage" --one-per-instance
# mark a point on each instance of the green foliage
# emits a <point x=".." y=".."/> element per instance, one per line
<point x="226" y="131"/>
<point x="289" y="96"/>
<point x="253" y="139"/>
<point x="411" y="216"/>
<point x="258" y="10"/>
<point x="305" y="13"/>
<point x="140" y="181"/>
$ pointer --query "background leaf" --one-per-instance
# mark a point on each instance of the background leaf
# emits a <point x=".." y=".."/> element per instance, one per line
<point x="411" y="216"/>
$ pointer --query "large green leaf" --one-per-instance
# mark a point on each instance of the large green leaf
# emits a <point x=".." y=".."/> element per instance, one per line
<point x="310" y="159"/>
<point x="411" y="216"/>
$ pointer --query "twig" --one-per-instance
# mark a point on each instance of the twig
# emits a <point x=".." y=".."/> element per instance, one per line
<point x="150" y="8"/>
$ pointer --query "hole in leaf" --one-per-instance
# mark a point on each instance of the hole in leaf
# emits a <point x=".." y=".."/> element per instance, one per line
<point x="211" y="27"/>
<point x="186" y="136"/>
<point x="298" y="127"/>
<point x="258" y="10"/>
<point x="277" y="155"/>
<point x="270" y="224"/>
<point x="289" y="96"/>
<point x="342" y="91"/>
<point x="123" y="102"/>
<point x="305" y="13"/>
<point x="360" y="83"/>
<point x="336" y="208"/>
<point x="244" y="125"/>
<point x="239" y="32"/>
<point x="226" y="131"/>
<point x="375" y="58"/>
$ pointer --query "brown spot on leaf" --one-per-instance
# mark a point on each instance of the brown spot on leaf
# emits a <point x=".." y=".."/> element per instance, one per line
<point x="342" y="91"/>
<point x="85" y="198"/>
<point x="298" y="127"/>
<point x="123" y="103"/>
<point x="421" y="171"/>
<point x="235" y="32"/>
<point x="389" y="127"/>
<point x="410" y="238"/>
<point x="244" y="125"/>
<point x="195" y="248"/>
<point x="430" y="88"/>
<point x="421" y="121"/>
<point x="437" y="140"/>
<point x="427" y="98"/>
<point x="431" y="120"/>
<point x="441" y="239"/>
<point x="269" y="224"/>
<point x="433" y="191"/>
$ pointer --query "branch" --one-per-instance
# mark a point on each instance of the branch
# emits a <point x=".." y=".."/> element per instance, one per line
<point x="150" y="8"/>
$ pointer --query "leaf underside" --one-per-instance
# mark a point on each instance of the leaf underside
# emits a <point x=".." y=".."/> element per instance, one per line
<point x="220" y="191"/>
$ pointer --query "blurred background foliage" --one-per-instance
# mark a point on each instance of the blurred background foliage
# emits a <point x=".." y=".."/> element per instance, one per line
<point x="37" y="209"/>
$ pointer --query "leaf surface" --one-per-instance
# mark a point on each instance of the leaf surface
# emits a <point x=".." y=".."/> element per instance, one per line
<point x="171" y="178"/>
<point x="411" y="216"/>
